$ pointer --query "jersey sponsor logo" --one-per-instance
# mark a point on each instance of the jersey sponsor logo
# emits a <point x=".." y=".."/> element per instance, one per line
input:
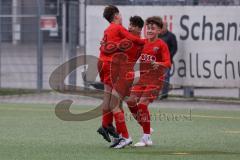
<point x="147" y="58"/>
<point x="125" y="45"/>
<point x="155" y="49"/>
<point x="112" y="47"/>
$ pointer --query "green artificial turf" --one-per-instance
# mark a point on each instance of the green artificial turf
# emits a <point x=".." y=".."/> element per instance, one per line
<point x="33" y="132"/>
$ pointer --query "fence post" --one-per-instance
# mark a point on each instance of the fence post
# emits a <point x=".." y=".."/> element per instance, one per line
<point x="15" y="22"/>
<point x="64" y="29"/>
<point x="81" y="24"/>
<point x="73" y="13"/>
<point x="82" y="34"/>
<point x="39" y="48"/>
<point x="0" y="43"/>
<point x="64" y="38"/>
<point x="188" y="91"/>
<point x="85" y="38"/>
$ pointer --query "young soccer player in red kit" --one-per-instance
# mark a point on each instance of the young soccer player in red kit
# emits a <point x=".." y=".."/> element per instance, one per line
<point x="112" y="36"/>
<point x="154" y="59"/>
<point x="123" y="64"/>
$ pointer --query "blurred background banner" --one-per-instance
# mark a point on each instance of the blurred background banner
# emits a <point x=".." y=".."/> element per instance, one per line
<point x="208" y="40"/>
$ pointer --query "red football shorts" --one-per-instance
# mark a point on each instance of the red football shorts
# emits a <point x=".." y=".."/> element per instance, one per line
<point x="124" y="84"/>
<point x="122" y="74"/>
<point x="104" y="72"/>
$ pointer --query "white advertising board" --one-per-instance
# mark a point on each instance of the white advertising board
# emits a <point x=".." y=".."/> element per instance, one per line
<point x="208" y="41"/>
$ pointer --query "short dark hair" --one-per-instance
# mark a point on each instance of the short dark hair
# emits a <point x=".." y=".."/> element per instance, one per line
<point x="109" y="12"/>
<point x="137" y="21"/>
<point x="155" y="20"/>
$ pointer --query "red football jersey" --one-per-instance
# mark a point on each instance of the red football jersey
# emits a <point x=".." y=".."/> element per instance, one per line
<point x="156" y="51"/>
<point x="133" y="52"/>
<point x="112" y="36"/>
<point x="122" y="66"/>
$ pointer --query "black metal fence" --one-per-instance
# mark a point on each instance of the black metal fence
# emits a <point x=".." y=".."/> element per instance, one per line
<point x="164" y="2"/>
<point x="28" y="51"/>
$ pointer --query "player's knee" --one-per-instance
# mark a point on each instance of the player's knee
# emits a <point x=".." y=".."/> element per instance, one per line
<point x="107" y="88"/>
<point x="116" y="110"/>
<point x="105" y="107"/>
<point x="131" y="102"/>
<point x="144" y="101"/>
<point x="115" y="93"/>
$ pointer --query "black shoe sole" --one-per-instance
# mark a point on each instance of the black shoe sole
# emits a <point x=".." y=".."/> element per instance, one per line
<point x="104" y="134"/>
<point x="126" y="145"/>
<point x="115" y="144"/>
<point x="112" y="131"/>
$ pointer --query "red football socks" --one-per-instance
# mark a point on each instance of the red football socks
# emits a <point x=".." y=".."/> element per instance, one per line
<point x="120" y="124"/>
<point x="107" y="118"/>
<point x="144" y="117"/>
<point x="135" y="113"/>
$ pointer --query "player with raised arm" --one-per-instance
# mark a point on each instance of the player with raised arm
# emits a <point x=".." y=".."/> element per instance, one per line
<point x="114" y="33"/>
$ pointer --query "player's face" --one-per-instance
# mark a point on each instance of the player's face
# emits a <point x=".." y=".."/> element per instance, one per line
<point x="152" y="31"/>
<point x="119" y="18"/>
<point x="134" y="29"/>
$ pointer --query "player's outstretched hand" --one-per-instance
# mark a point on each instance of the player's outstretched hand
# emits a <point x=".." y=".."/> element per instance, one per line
<point x="155" y="65"/>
